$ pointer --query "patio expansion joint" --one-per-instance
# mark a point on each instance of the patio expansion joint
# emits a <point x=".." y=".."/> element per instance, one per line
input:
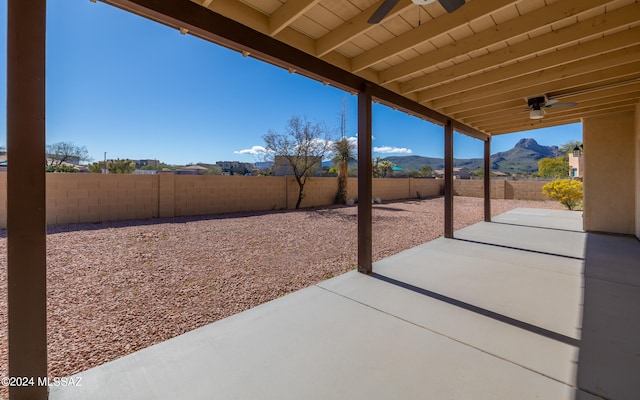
<point x="520" y="249"/>
<point x="528" y="267"/>
<point x="614" y="281"/>
<point x="426" y="328"/>
<point x="538" y="227"/>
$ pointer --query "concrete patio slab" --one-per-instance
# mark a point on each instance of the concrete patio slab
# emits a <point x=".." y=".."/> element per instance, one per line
<point x="542" y="218"/>
<point x="313" y="344"/>
<point x="547" y="299"/>
<point x="451" y="319"/>
<point x="499" y="337"/>
<point x="566" y="243"/>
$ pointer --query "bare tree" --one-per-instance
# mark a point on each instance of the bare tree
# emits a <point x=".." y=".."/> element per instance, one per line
<point x="62" y="152"/>
<point x="302" y="148"/>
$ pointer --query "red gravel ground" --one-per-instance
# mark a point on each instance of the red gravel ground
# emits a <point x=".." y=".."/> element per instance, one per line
<point x="114" y="288"/>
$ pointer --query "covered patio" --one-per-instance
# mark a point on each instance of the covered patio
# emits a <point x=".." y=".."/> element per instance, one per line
<point x="496" y="312"/>
<point x="466" y="318"/>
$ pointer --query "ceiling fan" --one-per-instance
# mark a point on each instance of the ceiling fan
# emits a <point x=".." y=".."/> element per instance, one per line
<point x="386" y="7"/>
<point x="539" y="104"/>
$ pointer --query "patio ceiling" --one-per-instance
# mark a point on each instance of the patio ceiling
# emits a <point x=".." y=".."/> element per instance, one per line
<point x="477" y="65"/>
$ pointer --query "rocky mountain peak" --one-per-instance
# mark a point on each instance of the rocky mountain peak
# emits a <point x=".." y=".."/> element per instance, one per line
<point x="528" y="144"/>
<point x="531" y="144"/>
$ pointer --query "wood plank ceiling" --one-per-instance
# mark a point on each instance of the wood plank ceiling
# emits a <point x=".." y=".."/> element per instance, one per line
<point x="477" y="65"/>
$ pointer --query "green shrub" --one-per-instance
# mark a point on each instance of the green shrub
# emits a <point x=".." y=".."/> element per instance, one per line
<point x="568" y="192"/>
<point x="61" y="168"/>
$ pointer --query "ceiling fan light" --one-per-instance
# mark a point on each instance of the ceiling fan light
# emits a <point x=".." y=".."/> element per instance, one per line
<point x="537" y="114"/>
<point x="423" y="2"/>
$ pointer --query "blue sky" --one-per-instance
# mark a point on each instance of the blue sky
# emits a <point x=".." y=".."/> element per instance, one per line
<point x="120" y="84"/>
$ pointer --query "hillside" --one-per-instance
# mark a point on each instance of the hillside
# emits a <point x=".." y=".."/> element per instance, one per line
<point x="521" y="159"/>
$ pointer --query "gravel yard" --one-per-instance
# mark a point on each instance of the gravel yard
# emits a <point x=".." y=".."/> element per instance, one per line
<point x="118" y="287"/>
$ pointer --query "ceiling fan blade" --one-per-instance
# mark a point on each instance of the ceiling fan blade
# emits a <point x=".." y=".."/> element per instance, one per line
<point x="382" y="11"/>
<point x="559" y="105"/>
<point x="451" y="5"/>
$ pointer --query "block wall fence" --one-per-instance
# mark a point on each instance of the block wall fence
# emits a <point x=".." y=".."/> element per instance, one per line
<point x="501" y="189"/>
<point x="81" y="198"/>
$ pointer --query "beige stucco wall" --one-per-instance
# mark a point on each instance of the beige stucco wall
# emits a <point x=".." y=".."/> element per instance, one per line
<point x="609" y="173"/>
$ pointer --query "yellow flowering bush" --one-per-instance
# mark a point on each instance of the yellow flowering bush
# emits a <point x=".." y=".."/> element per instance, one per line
<point x="567" y="191"/>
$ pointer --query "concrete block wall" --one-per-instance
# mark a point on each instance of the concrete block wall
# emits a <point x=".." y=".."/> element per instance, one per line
<point x="202" y="195"/>
<point x="425" y="187"/>
<point x="166" y="195"/>
<point x="406" y="188"/>
<point x="390" y="189"/>
<point x="75" y="198"/>
<point x="78" y="198"/>
<point x="318" y="192"/>
<point x="501" y="189"/>
<point x="524" y="190"/>
<point x="469" y="188"/>
<point x="475" y="188"/>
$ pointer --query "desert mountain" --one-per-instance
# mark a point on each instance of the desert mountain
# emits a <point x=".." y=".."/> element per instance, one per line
<point x="521" y="159"/>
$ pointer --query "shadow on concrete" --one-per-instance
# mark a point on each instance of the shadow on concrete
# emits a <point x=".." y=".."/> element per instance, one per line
<point x="518" y="248"/>
<point x="540" y="227"/>
<point x="479" y="310"/>
<point x="609" y="357"/>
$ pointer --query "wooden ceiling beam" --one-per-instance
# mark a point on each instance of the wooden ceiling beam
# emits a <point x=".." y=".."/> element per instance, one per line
<point x="354" y="27"/>
<point x="587" y="93"/>
<point x="396" y="101"/>
<point x="534" y="125"/>
<point x="560" y="113"/>
<point x="287" y="13"/>
<point x="510" y="117"/>
<point x="549" y="122"/>
<point x="438" y="26"/>
<point x="256" y="20"/>
<point x="574" y="69"/>
<point x="558" y="64"/>
<point x="593" y="79"/>
<point x="597" y="97"/>
<point x="239" y="12"/>
<point x="514" y="27"/>
<point x="569" y="34"/>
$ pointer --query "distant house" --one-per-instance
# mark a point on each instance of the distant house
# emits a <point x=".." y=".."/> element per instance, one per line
<point x="68" y="160"/>
<point x="458" y="173"/>
<point x="144" y="163"/>
<point x="145" y="172"/>
<point x="576" y="163"/>
<point x="191" y="170"/>
<point x="235" y="167"/>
